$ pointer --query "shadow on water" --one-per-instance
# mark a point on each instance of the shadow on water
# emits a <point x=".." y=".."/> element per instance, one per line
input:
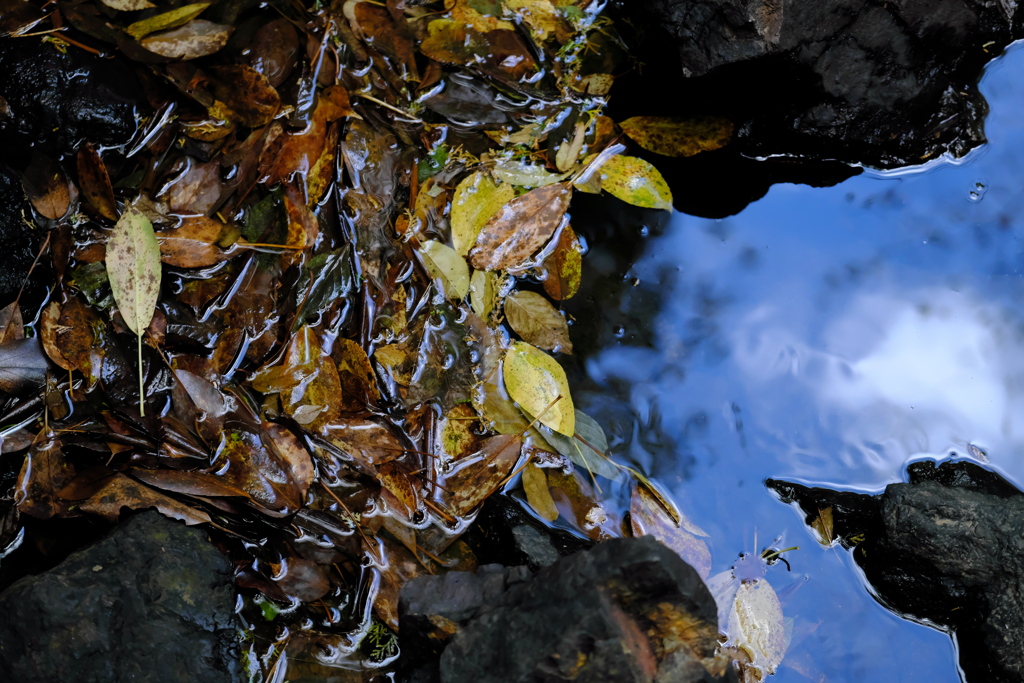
<point x="828" y="335"/>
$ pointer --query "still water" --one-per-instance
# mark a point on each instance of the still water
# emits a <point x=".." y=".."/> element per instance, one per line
<point x="830" y="336"/>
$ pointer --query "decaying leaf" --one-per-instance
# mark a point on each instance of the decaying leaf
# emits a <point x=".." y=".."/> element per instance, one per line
<point x="47" y="187"/>
<point x="358" y="383"/>
<point x="678" y="137"/>
<point x="521" y="227"/>
<point x="587" y="448"/>
<point x="44" y="473"/>
<point x="445" y="265"/>
<point x="751" y="616"/>
<point x="460" y="432"/>
<point x="11" y="325"/>
<point x="477" y="198"/>
<point x="538" y="384"/>
<point x="94" y="182"/>
<point x="647" y="517"/>
<point x="477" y="476"/>
<point x="535" y="485"/>
<point x="535" y="320"/>
<point x="365" y="442"/>
<point x="563" y="269"/>
<point x="128" y="5"/>
<point x="121" y="491"/>
<point x="197" y="38"/>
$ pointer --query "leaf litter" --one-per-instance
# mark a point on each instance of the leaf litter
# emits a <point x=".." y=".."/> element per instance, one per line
<point x="323" y="269"/>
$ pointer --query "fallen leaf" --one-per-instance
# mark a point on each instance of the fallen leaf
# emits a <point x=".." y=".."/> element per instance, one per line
<point x="48" y="322"/>
<point x="44" y="473"/>
<point x="823" y="526"/>
<point x="81" y="336"/>
<point x="563" y="269"/>
<point x="477" y="198"/>
<point x="47" y="187"/>
<point x="22" y="365"/>
<point x="164" y="20"/>
<point x="326" y="280"/>
<point x="648" y="518"/>
<point x="483" y="292"/>
<point x="535" y="485"/>
<point x="678" y="137"/>
<point x="11" y="325"/>
<point x="365" y="442"/>
<point x="396" y="481"/>
<point x="122" y="491"/>
<point x="477" y="476"/>
<point x="636" y="182"/>
<point x="520" y="228"/>
<point x="751" y="616"/>
<point x="128" y="5"/>
<point x="588" y="448"/>
<point x="538" y="384"/>
<point x="193" y="244"/>
<point x="537" y="322"/>
<point x="540" y="16"/>
<point x="274" y="49"/>
<point x="291" y="454"/>
<point x="445" y="265"/>
<point x="197" y="38"/>
<point x="94" y="181"/>
<point x="460" y="432"/>
<point x="243" y="95"/>
<point x="476" y="14"/>
<point x="197" y="189"/>
<point x="358" y="383"/>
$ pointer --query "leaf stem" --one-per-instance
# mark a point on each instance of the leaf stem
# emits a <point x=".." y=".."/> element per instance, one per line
<point x="142" y="404"/>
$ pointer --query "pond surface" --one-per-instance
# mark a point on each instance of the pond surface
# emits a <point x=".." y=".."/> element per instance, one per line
<point x="830" y="336"/>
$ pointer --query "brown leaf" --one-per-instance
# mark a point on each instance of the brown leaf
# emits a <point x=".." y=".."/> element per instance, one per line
<point x="292" y="454"/>
<point x="302" y="578"/>
<point x="193" y="244"/>
<point x="47" y="187"/>
<point x="536" y="321"/>
<point x="307" y="380"/>
<point x="48" y="322"/>
<point x="122" y="491"/>
<point x="243" y="95"/>
<point x="95" y="182"/>
<point x="520" y="228"/>
<point x="197" y="38"/>
<point x="382" y="33"/>
<point x="564" y="268"/>
<point x="575" y="499"/>
<point x="274" y="50"/>
<point x="43" y="474"/>
<point x="11" y="325"/>
<point x="647" y="517"/>
<point x="81" y="337"/>
<point x="396" y="481"/>
<point x="358" y="382"/>
<point x="476" y="477"/>
<point x="824" y="526"/>
<point x="367" y="443"/>
<point x="22" y="365"/>
<point x="460" y="431"/>
<point x="197" y="189"/>
<point x="296" y="153"/>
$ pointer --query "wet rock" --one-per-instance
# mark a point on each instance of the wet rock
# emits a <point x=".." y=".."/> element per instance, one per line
<point x="153" y="601"/>
<point x="947" y="547"/>
<point x="56" y="99"/>
<point x="18" y="242"/>
<point x="886" y="84"/>
<point x="626" y="610"/>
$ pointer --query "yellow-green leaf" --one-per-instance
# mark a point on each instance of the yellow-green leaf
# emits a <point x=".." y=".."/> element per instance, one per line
<point x="636" y="182"/>
<point x="538" y="495"/>
<point x="482" y="291"/>
<point x="445" y="265"/>
<point x="535" y="320"/>
<point x="476" y="199"/>
<point x="170" y="19"/>
<point x="676" y="137"/>
<point x="538" y="384"/>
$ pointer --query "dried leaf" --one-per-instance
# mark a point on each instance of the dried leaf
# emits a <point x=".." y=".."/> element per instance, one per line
<point x="445" y="265"/>
<point x="197" y="38"/>
<point x="170" y="19"/>
<point x="677" y="137"/>
<point x="752" y="618"/>
<point x="11" y="325"/>
<point x="538" y="384"/>
<point x="476" y="477"/>
<point x="95" y="182"/>
<point x="537" y="322"/>
<point x="564" y="268"/>
<point x="535" y="485"/>
<point x="636" y="182"/>
<point x="647" y="517"/>
<point x="193" y="244"/>
<point x="477" y="198"/>
<point x="588" y="448"/>
<point x="520" y="228"/>
<point x="122" y="491"/>
<point x="22" y="365"/>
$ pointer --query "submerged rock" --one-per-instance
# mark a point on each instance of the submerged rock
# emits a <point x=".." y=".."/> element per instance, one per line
<point x="885" y="84"/>
<point x="627" y="610"/>
<point x="947" y="547"/>
<point x="153" y="601"/>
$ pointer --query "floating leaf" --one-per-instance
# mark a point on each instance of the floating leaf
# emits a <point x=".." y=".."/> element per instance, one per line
<point x="677" y="137"/>
<point x="44" y="473"/>
<point x="447" y="266"/>
<point x="133" y="268"/>
<point x="358" y="383"/>
<point x="325" y="281"/>
<point x="648" y="517"/>
<point x="197" y="38"/>
<point x="564" y="268"/>
<point x="823" y="526"/>
<point x="535" y="485"/>
<point x="476" y="199"/>
<point x="535" y="320"/>
<point x="537" y="383"/>
<point x="483" y="292"/>
<point x="477" y="476"/>
<point x="636" y="182"/>
<point x="95" y="182"/>
<point x="170" y="19"/>
<point x="243" y="95"/>
<point x="193" y="244"/>
<point x="581" y="447"/>
<point x="751" y="615"/>
<point x="520" y="228"/>
<point x="22" y="365"/>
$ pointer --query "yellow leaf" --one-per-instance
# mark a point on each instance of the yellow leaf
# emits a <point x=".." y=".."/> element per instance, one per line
<point x="676" y="137"/>
<point x="171" y="19"/>
<point x="445" y="265"/>
<point x="540" y="15"/>
<point x="535" y="484"/>
<point x="482" y="290"/>
<point x="535" y="380"/>
<point x="636" y="182"/>
<point x="535" y="320"/>
<point x="476" y="199"/>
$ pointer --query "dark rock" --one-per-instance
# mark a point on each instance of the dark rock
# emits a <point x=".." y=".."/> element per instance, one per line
<point x="947" y="547"/>
<point x="627" y="610"/>
<point x="56" y="99"/>
<point x="886" y="84"/>
<point x="18" y="242"/>
<point x="153" y="601"/>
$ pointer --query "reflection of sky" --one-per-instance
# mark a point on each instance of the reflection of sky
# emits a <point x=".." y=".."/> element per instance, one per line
<point x="830" y="335"/>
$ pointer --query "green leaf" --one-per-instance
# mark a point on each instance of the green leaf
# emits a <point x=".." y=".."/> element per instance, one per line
<point x="133" y="268"/>
<point x="676" y="137"/>
<point x="476" y="199"/>
<point x="538" y="384"/>
<point x="325" y="279"/>
<point x="535" y="320"/>
<point x="445" y="265"/>
<point x="432" y="164"/>
<point x="170" y="19"/>
<point x="580" y="448"/>
<point x="636" y="182"/>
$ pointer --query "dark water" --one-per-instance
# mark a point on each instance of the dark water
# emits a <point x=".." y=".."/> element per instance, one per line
<point x="831" y="336"/>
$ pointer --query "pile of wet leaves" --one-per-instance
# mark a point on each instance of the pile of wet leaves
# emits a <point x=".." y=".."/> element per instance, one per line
<point x="313" y="304"/>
